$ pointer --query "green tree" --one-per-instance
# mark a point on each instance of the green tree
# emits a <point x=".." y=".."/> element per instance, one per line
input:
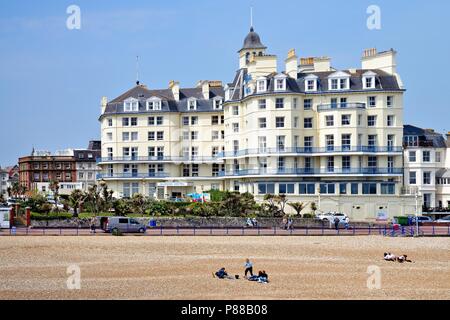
<point x="94" y="199"/>
<point x="54" y="187"/>
<point x="297" y="206"/>
<point x="139" y="203"/>
<point x="76" y="199"/>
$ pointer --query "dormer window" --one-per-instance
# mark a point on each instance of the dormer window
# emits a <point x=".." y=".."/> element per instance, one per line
<point x="154" y="103"/>
<point x="339" y="81"/>
<point x="261" y="85"/>
<point x="311" y="83"/>
<point x="192" y="104"/>
<point x="368" y="80"/>
<point x="218" y="103"/>
<point x="280" y="83"/>
<point x="131" y="105"/>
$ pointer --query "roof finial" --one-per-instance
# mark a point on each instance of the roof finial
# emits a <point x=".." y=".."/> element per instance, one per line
<point x="137" y="70"/>
<point x="251" y="19"/>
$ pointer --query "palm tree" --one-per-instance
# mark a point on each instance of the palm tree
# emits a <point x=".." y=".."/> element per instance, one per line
<point x="76" y="198"/>
<point x="139" y="203"/>
<point x="297" y="206"/>
<point x="281" y="200"/>
<point x="54" y="187"/>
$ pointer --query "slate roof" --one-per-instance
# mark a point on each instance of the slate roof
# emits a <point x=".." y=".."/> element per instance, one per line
<point x="168" y="102"/>
<point x="427" y="137"/>
<point x="252" y="41"/>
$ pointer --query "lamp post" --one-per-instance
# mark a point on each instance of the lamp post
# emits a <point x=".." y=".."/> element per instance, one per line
<point x="417" y="209"/>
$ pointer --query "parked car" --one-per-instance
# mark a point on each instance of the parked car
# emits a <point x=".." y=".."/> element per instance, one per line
<point x="330" y="216"/>
<point x="421" y="219"/>
<point x="122" y="224"/>
<point x="445" y="219"/>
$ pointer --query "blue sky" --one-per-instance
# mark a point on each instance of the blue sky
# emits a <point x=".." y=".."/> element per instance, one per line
<point x="52" y="78"/>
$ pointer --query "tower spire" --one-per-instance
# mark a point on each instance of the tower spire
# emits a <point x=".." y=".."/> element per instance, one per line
<point x="251" y="18"/>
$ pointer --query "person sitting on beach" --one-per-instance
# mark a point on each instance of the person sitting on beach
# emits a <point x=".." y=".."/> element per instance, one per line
<point x="263" y="277"/>
<point x="389" y="256"/>
<point x="222" y="274"/>
<point x="403" y="258"/>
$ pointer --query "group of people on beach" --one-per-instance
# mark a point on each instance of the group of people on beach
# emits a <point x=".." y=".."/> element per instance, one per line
<point x="262" y="276"/>
<point x="392" y="257"/>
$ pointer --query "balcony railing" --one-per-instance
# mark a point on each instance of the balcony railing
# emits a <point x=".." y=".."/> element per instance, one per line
<point x="314" y="171"/>
<point x="344" y="105"/>
<point x="158" y="159"/>
<point x="308" y="150"/>
<point x="132" y="175"/>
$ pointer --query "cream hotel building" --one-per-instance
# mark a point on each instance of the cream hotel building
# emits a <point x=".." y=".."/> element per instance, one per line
<point x="311" y="132"/>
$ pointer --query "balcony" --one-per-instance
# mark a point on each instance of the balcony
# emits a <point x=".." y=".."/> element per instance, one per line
<point x="309" y="151"/>
<point x="132" y="175"/>
<point x="159" y="159"/>
<point x="314" y="171"/>
<point x="337" y="106"/>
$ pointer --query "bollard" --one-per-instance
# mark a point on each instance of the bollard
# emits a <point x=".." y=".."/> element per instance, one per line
<point x="161" y="230"/>
<point x="354" y="230"/>
<point x="260" y="232"/>
<point x="433" y="229"/>
<point x="60" y="231"/>
<point x="77" y="230"/>
<point x="178" y="230"/>
<point x="227" y="230"/>
<point x="243" y="231"/>
<point x="448" y="229"/>
<point x="323" y="231"/>
<point x="274" y="230"/>
<point x="194" y="230"/>
<point x="370" y="230"/>
<point x="307" y="230"/>
<point x="210" y="231"/>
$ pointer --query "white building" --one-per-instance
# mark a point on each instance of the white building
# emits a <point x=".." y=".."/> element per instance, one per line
<point x="311" y="132"/>
<point x="427" y="166"/>
<point x="4" y="178"/>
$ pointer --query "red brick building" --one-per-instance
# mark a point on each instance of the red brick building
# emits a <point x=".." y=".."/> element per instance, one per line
<point x="43" y="167"/>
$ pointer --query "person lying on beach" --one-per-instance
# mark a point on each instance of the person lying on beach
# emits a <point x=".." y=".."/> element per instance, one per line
<point x="403" y="258"/>
<point x="389" y="257"/>
<point x="262" y="277"/>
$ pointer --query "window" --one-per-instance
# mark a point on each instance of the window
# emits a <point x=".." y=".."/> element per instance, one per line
<point x="327" y="188"/>
<point x="160" y="135"/>
<point x="215" y="135"/>
<point x="262" y="144"/>
<point x="151" y="121"/>
<point x="218" y="104"/>
<point x="387" y="188"/>
<point x="192" y="104"/>
<point x="281" y="143"/>
<point x="342" y="188"/>
<point x="261" y="85"/>
<point x="125" y="122"/>
<point x="438" y="156"/>
<point x="330" y="164"/>
<point x="222" y="119"/>
<point x="329" y="121"/>
<point x="390" y="120"/>
<point x="110" y="122"/>
<point x="411" y="141"/>
<point x="426" y="156"/>
<point x="354" y="188"/>
<point x="214" y="120"/>
<point x="151" y="136"/>
<point x="371" y="121"/>
<point x="194" y="121"/>
<point x="185" y="121"/>
<point x="295" y="103"/>
<point x="345" y="119"/>
<point x="134" y="136"/>
<point x="307" y="104"/>
<point x="372" y="141"/>
<point x="334" y="103"/>
<point x="279" y="122"/>
<point x="133" y="122"/>
<point x="427" y="177"/>
<point x="334" y="84"/>
<point x="295" y="122"/>
<point x="154" y="104"/>
<point x="390" y="101"/>
<point x="346" y="163"/>
<point x="235" y="127"/>
<point x="194" y="135"/>
<point x="329" y="141"/>
<point x="308" y="143"/>
<point x="346" y="142"/>
<point x="109" y="136"/>
<point x="285" y="188"/>
<point x="110" y="153"/>
<point x="125" y="136"/>
<point x="280" y="84"/>
<point x="159" y="121"/>
<point x="262" y="123"/>
<point x="307" y="188"/>
<point x="311" y="84"/>
<point x="266" y="188"/>
<point x="368" y="80"/>
<point x="368" y="83"/>
<point x="307" y="123"/>
<point x="343" y="103"/>
<point x="412" y="156"/>
<point x="372" y="102"/>
<point x="343" y="84"/>
<point x="279" y="103"/>
<point x="195" y="170"/>
<point x="359" y="119"/>
<point x="235" y="110"/>
<point x="261" y="103"/>
<point x="372" y="161"/>
<point x="369" y="188"/>
<point x="131" y="105"/>
<point x="281" y="164"/>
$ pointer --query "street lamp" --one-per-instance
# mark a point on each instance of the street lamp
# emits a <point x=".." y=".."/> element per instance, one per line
<point x="417" y="209"/>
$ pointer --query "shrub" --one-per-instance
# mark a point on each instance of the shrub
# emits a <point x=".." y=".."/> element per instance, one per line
<point x="50" y="216"/>
<point x="159" y="208"/>
<point x="308" y="216"/>
<point x="121" y="207"/>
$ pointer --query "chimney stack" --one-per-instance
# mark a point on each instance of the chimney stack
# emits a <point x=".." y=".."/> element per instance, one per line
<point x="103" y="104"/>
<point x="175" y="87"/>
<point x="204" y="84"/>
<point x="385" y="60"/>
<point x="291" y="64"/>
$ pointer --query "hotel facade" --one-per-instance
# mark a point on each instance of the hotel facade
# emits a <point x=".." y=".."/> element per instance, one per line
<point x="314" y="133"/>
